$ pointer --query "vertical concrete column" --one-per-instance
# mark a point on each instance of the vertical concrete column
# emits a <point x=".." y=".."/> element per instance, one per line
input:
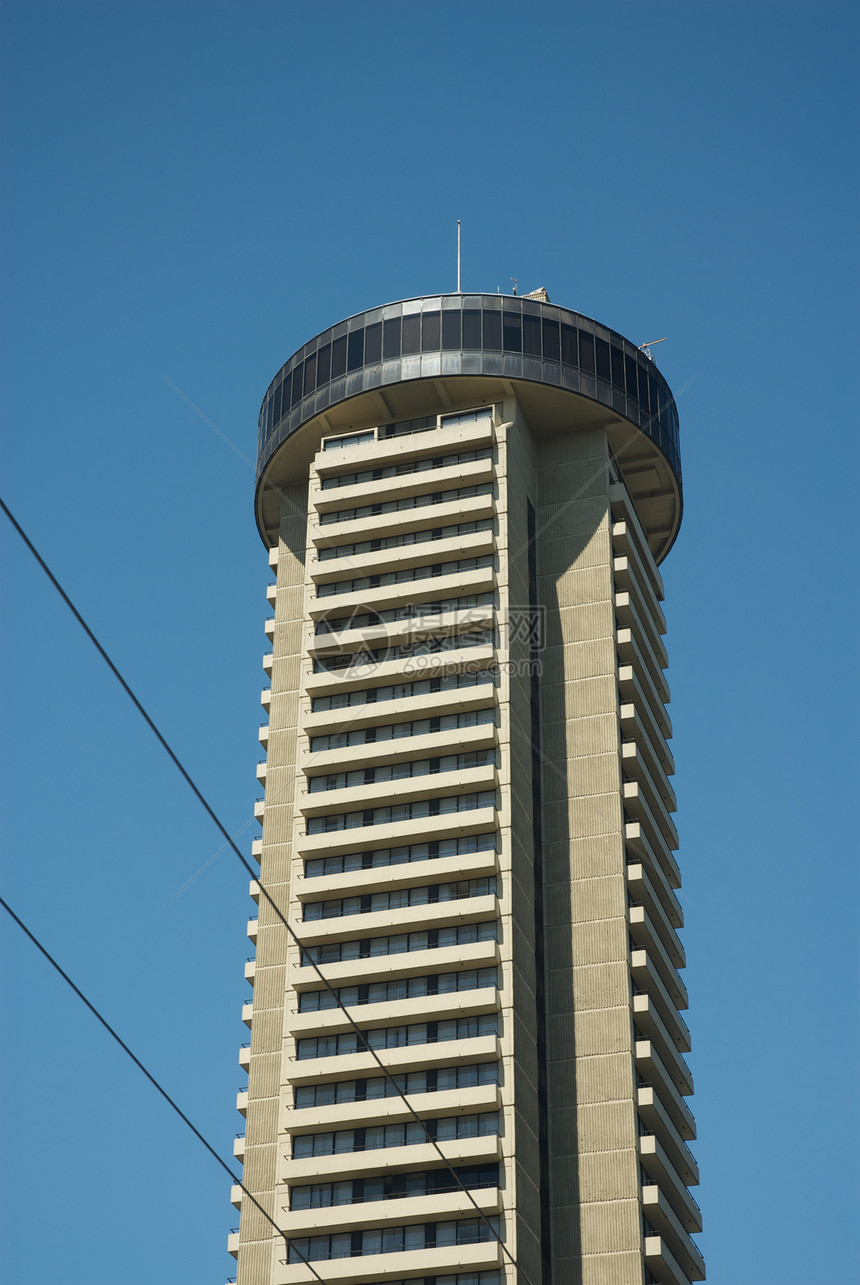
<point x="260" y="1248"/>
<point x="594" y="1185"/>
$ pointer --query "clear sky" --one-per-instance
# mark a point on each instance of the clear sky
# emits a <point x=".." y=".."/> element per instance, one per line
<point x="191" y="191"/>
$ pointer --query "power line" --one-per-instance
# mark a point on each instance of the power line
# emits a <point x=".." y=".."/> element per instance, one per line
<point x="125" y="1048"/>
<point x="363" y="1042"/>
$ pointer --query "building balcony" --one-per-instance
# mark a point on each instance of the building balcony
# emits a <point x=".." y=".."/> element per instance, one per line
<point x="245" y="1056"/>
<point x="638" y="725"/>
<point x="653" y="856"/>
<point x="671" y="1082"/>
<point x="271" y="593"/>
<point x="660" y="1169"/>
<point x="409" y="630"/>
<point x="407" y="789"/>
<point x="414" y="963"/>
<point x="400" y="557"/>
<point x="433" y="441"/>
<point x="397" y="1012"/>
<point x="630" y="613"/>
<point x="346" y="1115"/>
<point x="236" y="1194"/>
<point x="404" y="669"/>
<point x="482" y="1048"/>
<point x="253" y="925"/>
<point x="257" y="849"/>
<point x="454" y="740"/>
<point x="437" y="914"/>
<point x="629" y="539"/>
<point x="266" y="697"/>
<point x="663" y="1263"/>
<point x="268" y="662"/>
<point x="424" y="518"/>
<point x="638" y="765"/>
<point x="269" y="628"/>
<point x="259" y="810"/>
<point x="457" y="700"/>
<point x="664" y="1220"/>
<point x="391" y="834"/>
<point x="653" y="1032"/>
<point x="648" y="886"/>
<point x="421" y="1155"/>
<point x="233" y="1244"/>
<point x="242" y="1102"/>
<point x="628" y="576"/>
<point x="643" y="933"/>
<point x="635" y="685"/>
<point x="379" y="1213"/>
<point x="239" y="1146"/>
<point x="248" y="1014"/>
<point x="263" y="734"/>
<point x="250" y="970"/>
<point x="425" y="482"/>
<point x="261" y="772"/>
<point x="655" y="1117"/>
<point x="409" y="874"/>
<point x="406" y="591"/>
<point x="650" y="813"/>
<point x="393" y="1267"/>
<point x="642" y="659"/>
<point x="648" y="980"/>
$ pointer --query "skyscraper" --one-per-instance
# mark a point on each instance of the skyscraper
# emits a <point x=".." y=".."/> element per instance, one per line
<point x="467" y="812"/>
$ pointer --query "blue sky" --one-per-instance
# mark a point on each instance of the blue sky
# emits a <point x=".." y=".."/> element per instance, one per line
<point x="191" y="190"/>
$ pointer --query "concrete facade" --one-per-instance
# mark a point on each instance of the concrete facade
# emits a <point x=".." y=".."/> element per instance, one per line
<point x="467" y="823"/>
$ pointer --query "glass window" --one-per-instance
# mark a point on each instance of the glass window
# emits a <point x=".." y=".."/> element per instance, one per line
<point x="630" y="367"/>
<point x="391" y="338"/>
<point x="568" y="345"/>
<point x="531" y="335"/>
<point x="472" y="328"/>
<point x="276" y="413"/>
<point x="373" y="343"/>
<point x="451" y="329"/>
<point x="323" y="365"/>
<point x="602" y="358"/>
<point x="493" y="331"/>
<point x="411" y="334"/>
<point x="310" y="374"/>
<point x="355" y="349"/>
<point x="297" y="385"/>
<point x="551" y="347"/>
<point x="338" y="357"/>
<point x="430" y="338"/>
<point x="513" y="332"/>
<point x="586" y="352"/>
<point x="617" y="367"/>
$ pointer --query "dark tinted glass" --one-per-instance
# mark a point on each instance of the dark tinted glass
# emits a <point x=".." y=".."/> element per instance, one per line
<point x="551" y="349"/>
<point x="323" y="365"/>
<point x="617" y="367"/>
<point x="568" y="345"/>
<point x="644" y="399"/>
<point x="601" y="353"/>
<point x="355" y="349"/>
<point x="310" y="374"/>
<point x="586" y="352"/>
<point x="391" y="338"/>
<point x="630" y="365"/>
<point x="373" y="343"/>
<point x="430" y="331"/>
<point x="412" y="334"/>
<point x="472" y="328"/>
<point x="451" y="329"/>
<point x="297" y="384"/>
<point x="493" y="331"/>
<point x="338" y="357"/>
<point x="531" y="335"/>
<point x="513" y="332"/>
<point x="287" y="387"/>
<point x="276" y="413"/>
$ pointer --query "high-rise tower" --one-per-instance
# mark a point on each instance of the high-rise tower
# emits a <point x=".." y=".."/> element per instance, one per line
<point x="467" y="812"/>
